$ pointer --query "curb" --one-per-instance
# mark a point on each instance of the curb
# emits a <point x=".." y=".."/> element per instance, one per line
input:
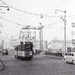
<point x="54" y="57"/>
<point x="2" y="65"/>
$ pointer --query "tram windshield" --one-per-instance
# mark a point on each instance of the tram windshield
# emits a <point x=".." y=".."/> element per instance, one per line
<point x="28" y="46"/>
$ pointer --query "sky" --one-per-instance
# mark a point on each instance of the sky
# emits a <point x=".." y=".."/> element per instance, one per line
<point x="28" y="12"/>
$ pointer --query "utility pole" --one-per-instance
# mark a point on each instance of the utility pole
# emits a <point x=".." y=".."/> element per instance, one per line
<point x="35" y="39"/>
<point x="41" y="36"/>
<point x="64" y="19"/>
<point x="65" y="30"/>
<point x="73" y="35"/>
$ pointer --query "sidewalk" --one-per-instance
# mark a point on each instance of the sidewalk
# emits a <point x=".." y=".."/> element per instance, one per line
<point x="52" y="56"/>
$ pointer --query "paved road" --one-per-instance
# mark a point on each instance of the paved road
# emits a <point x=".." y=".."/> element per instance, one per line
<point x="39" y="65"/>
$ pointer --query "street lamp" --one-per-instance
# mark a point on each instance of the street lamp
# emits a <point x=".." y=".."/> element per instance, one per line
<point x="3" y="12"/>
<point x="64" y="19"/>
<point x="41" y="33"/>
<point x="41" y="36"/>
<point x="5" y="7"/>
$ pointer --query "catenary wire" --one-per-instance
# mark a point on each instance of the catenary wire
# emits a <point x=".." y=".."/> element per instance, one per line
<point x="56" y="6"/>
<point x="24" y="25"/>
<point x="37" y="14"/>
<point x="26" y="11"/>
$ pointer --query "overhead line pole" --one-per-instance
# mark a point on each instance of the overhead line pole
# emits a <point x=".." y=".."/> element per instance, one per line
<point x="65" y="31"/>
<point x="64" y="19"/>
<point x="41" y="34"/>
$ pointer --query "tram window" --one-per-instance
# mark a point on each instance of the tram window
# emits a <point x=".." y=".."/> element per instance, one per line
<point x="19" y="48"/>
<point x="16" y="48"/>
<point x="23" y="48"/>
<point x="28" y="46"/>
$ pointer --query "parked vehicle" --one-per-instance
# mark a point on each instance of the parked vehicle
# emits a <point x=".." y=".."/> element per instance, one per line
<point x="69" y="57"/>
<point x="4" y="51"/>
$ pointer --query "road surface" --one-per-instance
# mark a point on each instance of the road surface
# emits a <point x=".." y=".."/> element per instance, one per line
<point x="39" y="65"/>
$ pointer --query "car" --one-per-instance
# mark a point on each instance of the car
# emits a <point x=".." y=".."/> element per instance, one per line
<point x="69" y="57"/>
<point x="4" y="51"/>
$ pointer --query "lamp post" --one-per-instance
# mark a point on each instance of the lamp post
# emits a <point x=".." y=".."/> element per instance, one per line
<point x="5" y="7"/>
<point x="41" y="36"/>
<point x="35" y="39"/>
<point x="41" y="33"/>
<point x="73" y="34"/>
<point x="64" y="19"/>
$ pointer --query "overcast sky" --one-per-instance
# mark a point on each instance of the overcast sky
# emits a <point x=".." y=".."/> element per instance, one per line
<point x="30" y="15"/>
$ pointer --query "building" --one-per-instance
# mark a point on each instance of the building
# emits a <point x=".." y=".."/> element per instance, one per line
<point x="45" y="44"/>
<point x="36" y="44"/>
<point x="58" y="46"/>
<point x="14" y="43"/>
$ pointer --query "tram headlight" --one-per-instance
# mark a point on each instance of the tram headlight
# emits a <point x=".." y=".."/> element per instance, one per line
<point x="30" y="53"/>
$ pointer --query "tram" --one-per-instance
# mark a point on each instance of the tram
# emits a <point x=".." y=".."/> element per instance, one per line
<point x="24" y="51"/>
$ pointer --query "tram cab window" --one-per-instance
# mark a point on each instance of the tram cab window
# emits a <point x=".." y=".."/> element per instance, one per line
<point x="16" y="48"/>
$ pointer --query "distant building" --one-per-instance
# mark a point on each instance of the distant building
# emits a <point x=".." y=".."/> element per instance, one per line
<point x="16" y="42"/>
<point x="58" y="46"/>
<point x="45" y="44"/>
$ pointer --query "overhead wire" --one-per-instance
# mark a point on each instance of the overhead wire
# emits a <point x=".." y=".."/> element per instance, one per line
<point x="12" y="21"/>
<point x="18" y="23"/>
<point x="56" y="6"/>
<point x="37" y="14"/>
<point x="35" y="22"/>
<point x="20" y="20"/>
<point x="52" y="24"/>
<point x="33" y="14"/>
<point x="51" y="10"/>
<point x="18" y="9"/>
<point x="14" y="17"/>
<point x="40" y="18"/>
<point x="24" y="25"/>
<point x="27" y="12"/>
